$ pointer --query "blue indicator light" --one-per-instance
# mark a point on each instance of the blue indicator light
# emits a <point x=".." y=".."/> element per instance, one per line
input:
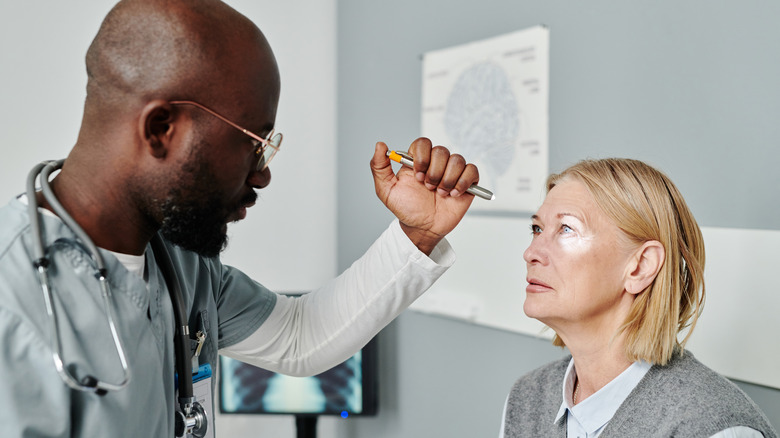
<point x="344" y="414"/>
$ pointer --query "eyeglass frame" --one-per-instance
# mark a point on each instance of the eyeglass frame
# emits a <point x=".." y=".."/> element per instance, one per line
<point x="261" y="144"/>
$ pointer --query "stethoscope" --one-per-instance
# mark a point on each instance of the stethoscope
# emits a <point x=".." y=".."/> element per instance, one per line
<point x="191" y="419"/>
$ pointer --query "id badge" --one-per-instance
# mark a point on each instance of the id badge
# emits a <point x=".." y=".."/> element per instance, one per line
<point x="201" y="390"/>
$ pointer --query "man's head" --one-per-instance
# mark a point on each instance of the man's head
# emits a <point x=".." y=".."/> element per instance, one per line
<point x="183" y="170"/>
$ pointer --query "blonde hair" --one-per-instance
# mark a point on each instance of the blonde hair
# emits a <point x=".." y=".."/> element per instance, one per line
<point x="646" y="205"/>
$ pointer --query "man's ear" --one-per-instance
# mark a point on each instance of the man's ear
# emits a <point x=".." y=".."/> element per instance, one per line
<point x="644" y="266"/>
<point x="155" y="126"/>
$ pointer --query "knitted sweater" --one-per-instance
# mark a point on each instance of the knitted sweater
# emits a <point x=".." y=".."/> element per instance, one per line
<point x="681" y="399"/>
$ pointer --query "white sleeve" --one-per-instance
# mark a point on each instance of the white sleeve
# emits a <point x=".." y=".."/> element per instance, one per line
<point x="503" y="419"/>
<point x="312" y="333"/>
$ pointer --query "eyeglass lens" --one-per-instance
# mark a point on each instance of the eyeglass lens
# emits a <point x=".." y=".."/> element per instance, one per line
<point x="269" y="151"/>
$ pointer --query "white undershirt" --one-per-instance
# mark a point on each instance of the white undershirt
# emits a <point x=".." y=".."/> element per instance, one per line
<point x="136" y="264"/>
<point x="310" y="334"/>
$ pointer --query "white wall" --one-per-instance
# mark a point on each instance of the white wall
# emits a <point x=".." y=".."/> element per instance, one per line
<point x="288" y="241"/>
<point x="42" y="82"/>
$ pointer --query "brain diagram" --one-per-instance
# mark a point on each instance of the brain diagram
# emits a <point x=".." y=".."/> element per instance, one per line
<point x="482" y="117"/>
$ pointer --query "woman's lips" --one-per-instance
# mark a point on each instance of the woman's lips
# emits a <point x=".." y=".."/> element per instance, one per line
<point x="536" y="286"/>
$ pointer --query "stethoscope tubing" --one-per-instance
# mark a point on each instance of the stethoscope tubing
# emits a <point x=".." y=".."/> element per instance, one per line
<point x="41" y="263"/>
<point x="192" y="418"/>
<point x="182" y="344"/>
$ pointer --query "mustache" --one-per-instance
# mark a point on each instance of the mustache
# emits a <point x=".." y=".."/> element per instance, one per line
<point x="249" y="199"/>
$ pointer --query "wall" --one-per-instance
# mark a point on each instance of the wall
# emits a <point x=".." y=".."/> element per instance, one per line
<point x="689" y="87"/>
<point x="288" y="241"/>
<point x="42" y="87"/>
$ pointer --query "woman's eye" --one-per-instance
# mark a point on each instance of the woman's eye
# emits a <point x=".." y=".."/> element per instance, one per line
<point x="536" y="229"/>
<point x="566" y="229"/>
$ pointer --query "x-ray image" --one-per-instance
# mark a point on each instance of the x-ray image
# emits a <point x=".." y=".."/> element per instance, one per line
<point x="339" y="391"/>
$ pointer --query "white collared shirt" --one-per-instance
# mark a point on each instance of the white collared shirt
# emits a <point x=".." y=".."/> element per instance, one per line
<point x="588" y="418"/>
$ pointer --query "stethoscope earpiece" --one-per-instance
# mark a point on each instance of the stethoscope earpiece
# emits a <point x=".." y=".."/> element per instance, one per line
<point x="92" y="382"/>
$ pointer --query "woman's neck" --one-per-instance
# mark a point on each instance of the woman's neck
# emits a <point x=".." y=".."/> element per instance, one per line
<point x="597" y="364"/>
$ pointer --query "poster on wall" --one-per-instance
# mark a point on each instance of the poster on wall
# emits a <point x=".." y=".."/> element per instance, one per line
<point x="488" y="101"/>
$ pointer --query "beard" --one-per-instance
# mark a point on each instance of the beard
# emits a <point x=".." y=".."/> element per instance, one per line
<point x="196" y="219"/>
<point x="195" y="226"/>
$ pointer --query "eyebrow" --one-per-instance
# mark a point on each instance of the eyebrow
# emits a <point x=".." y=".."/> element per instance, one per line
<point x="560" y="215"/>
<point x="576" y="216"/>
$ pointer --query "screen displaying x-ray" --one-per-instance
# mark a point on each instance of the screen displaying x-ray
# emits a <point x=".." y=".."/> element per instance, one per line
<point x="346" y="389"/>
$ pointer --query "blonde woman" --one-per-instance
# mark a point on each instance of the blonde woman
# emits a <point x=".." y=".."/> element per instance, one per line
<point x="615" y="268"/>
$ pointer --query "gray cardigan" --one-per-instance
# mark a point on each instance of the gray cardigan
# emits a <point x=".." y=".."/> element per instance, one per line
<point x="681" y="399"/>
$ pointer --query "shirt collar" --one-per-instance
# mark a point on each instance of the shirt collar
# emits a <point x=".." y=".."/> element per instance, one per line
<point x="595" y="411"/>
<point x="132" y="263"/>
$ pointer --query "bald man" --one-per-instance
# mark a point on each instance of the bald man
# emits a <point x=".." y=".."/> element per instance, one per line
<point x="176" y="138"/>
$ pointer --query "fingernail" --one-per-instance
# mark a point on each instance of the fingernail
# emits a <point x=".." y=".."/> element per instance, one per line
<point x="455" y="193"/>
<point x="420" y="176"/>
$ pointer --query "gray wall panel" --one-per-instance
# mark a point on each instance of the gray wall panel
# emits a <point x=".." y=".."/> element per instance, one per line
<point x="691" y="87"/>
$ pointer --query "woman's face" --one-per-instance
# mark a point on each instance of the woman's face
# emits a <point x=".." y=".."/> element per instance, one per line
<point x="577" y="263"/>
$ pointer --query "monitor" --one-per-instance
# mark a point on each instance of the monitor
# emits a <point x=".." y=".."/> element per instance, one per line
<point x="347" y="389"/>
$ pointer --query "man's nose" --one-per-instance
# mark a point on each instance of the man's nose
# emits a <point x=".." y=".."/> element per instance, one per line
<point x="261" y="179"/>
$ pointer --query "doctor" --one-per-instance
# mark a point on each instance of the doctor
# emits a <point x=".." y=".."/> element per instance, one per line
<point x="176" y="138"/>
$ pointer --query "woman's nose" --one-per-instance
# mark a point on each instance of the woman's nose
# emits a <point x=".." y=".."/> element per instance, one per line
<point x="536" y="252"/>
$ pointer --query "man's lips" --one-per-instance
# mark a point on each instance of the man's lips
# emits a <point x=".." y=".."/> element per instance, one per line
<point x="242" y="210"/>
<point x="536" y="286"/>
<point x="240" y="213"/>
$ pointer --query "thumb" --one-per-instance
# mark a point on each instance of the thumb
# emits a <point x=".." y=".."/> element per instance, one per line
<point x="381" y="168"/>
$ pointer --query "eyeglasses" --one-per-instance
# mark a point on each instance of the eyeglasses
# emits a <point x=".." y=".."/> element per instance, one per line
<point x="266" y="147"/>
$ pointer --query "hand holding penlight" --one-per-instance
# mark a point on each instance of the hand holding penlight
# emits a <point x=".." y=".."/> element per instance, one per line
<point x="406" y="159"/>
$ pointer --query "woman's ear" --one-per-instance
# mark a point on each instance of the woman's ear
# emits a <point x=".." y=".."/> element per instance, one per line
<point x="644" y="266"/>
<point x="155" y="126"/>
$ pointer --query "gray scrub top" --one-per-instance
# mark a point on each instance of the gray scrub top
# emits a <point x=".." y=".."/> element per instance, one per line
<point x="34" y="401"/>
